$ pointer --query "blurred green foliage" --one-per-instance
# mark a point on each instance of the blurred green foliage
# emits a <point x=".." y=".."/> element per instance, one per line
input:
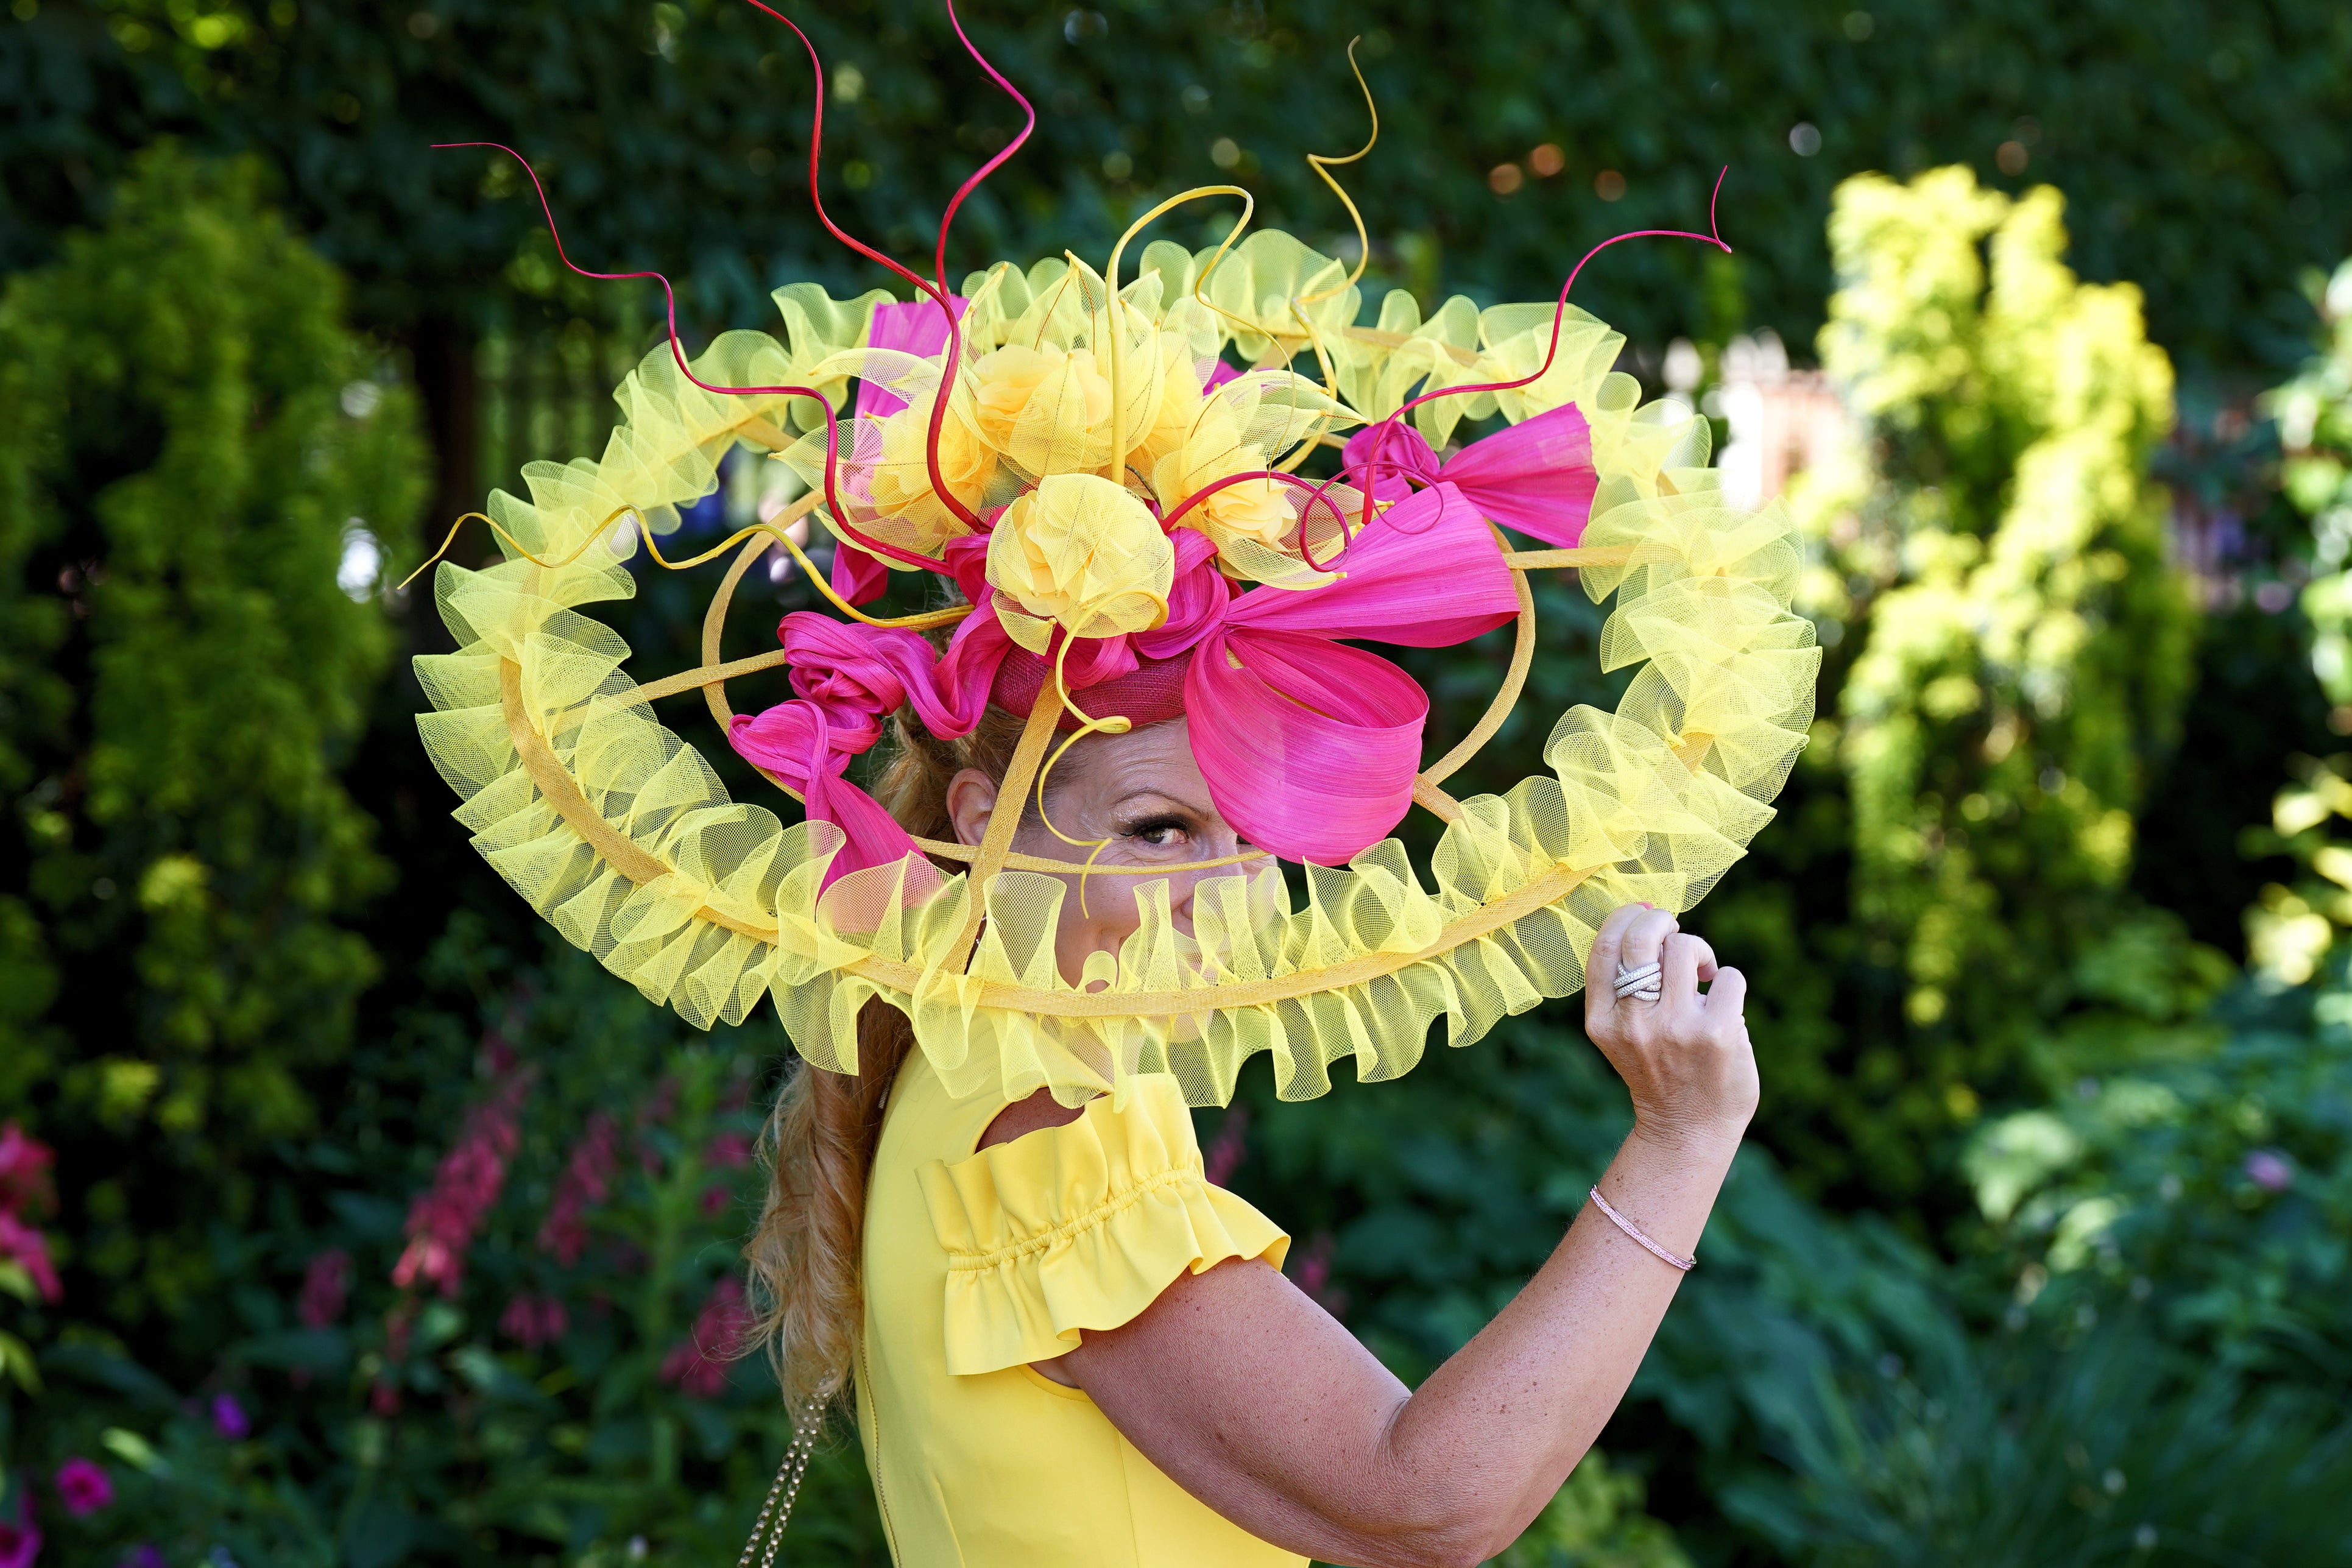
<point x="191" y="426"/>
<point x="189" y="444"/>
<point x="2011" y="652"/>
<point x="2203" y="140"/>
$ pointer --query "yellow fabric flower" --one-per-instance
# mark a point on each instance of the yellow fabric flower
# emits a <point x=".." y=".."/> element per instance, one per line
<point x="1046" y="409"/>
<point x="1181" y="395"/>
<point x="1081" y="553"/>
<point x="900" y="480"/>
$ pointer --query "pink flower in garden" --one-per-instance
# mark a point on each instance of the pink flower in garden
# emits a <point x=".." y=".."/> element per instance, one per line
<point x="83" y="1487"/>
<point x="326" y="1285"/>
<point x="697" y="1363"/>
<point x="229" y="1418"/>
<point x="1224" y="1155"/>
<point x="715" y="1199"/>
<point x="533" y="1320"/>
<point x="21" y="1244"/>
<point x="2269" y="1169"/>
<point x="586" y="1182"/>
<point x="24" y="1171"/>
<point x="729" y="1151"/>
<point x="20" y="1543"/>
<point x="442" y="1222"/>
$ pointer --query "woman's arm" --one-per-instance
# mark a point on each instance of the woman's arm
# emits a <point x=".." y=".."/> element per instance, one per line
<point x="1254" y="1400"/>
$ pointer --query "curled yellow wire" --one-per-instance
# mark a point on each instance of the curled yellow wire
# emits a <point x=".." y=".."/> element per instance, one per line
<point x="1111" y="724"/>
<point x="1110" y="281"/>
<point x="920" y="622"/>
<point x="1323" y="163"/>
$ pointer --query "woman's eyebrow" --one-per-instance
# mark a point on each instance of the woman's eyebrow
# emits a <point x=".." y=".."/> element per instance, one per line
<point x="1177" y="801"/>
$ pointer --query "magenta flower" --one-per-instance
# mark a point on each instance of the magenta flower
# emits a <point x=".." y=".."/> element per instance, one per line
<point x="697" y="1363"/>
<point x="229" y="1418"/>
<point x="585" y="1182"/>
<point x="534" y="1320"/>
<point x="729" y="1151"/>
<point x="83" y="1487"/>
<point x="20" y="1543"/>
<point x="2269" y="1169"/>
<point x="1224" y="1155"/>
<point x="442" y="1222"/>
<point x="22" y="1243"/>
<point x="24" y="1171"/>
<point x="326" y="1285"/>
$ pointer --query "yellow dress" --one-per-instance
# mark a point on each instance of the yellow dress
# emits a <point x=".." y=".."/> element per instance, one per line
<point x="977" y="1264"/>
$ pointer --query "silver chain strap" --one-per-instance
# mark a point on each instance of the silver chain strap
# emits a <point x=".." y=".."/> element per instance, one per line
<point x="787" y="1487"/>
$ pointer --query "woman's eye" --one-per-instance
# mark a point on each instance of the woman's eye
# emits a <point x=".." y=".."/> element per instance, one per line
<point x="1158" y="835"/>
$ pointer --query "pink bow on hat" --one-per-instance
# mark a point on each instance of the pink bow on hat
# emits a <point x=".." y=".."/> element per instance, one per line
<point x="1309" y="747"/>
<point x="1536" y="476"/>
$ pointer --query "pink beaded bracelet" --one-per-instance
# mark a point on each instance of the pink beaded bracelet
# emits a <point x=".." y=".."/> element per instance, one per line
<point x="1627" y="1225"/>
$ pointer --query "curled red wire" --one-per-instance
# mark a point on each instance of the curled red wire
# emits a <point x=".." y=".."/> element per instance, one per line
<point x="677" y="352"/>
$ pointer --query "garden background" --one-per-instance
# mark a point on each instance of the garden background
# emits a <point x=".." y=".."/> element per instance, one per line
<point x="349" y="1217"/>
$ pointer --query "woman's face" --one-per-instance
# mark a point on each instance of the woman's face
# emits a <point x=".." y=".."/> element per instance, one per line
<point x="1143" y="794"/>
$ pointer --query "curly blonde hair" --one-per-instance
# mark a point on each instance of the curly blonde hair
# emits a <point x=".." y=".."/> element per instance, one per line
<point x="804" y="1254"/>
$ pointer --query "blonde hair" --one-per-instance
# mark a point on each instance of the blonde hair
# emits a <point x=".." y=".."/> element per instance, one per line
<point x="804" y="1254"/>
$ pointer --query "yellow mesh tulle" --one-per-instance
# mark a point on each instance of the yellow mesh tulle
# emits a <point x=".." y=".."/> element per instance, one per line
<point x="619" y="833"/>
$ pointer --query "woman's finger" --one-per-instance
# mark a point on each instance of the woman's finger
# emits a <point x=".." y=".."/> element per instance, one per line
<point x="1727" y="996"/>
<point x="1687" y="961"/>
<point x="1645" y="940"/>
<point x="1609" y="946"/>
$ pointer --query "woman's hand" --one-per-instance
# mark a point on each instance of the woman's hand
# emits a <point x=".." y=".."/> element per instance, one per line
<point x="1684" y="1058"/>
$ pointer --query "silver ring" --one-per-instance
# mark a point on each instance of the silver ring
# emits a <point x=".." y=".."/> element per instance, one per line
<point x="1642" y="984"/>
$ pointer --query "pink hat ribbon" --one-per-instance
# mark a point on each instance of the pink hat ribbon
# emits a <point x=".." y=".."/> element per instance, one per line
<point x="1309" y="747"/>
<point x="1536" y="476"/>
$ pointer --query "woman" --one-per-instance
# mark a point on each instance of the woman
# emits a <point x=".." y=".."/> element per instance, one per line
<point x="1193" y="1405"/>
<point x="989" y="1227"/>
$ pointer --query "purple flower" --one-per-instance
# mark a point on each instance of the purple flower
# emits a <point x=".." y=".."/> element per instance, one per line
<point x="442" y="1222"/>
<point x="83" y="1487"/>
<point x="326" y="1285"/>
<point x="2270" y="1170"/>
<point x="534" y="1320"/>
<point x="20" y="1543"/>
<point x="229" y="1418"/>
<point x="585" y="1182"/>
<point x="147" y="1556"/>
<point x="697" y="1363"/>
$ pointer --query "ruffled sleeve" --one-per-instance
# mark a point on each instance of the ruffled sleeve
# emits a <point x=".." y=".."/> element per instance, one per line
<point x="1080" y="1227"/>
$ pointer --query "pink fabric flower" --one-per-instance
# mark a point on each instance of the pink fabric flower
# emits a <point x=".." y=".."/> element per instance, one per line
<point x="442" y="1222"/>
<point x="22" y="1245"/>
<point x="585" y="1182"/>
<point x="83" y="1487"/>
<point x="697" y="1365"/>
<point x="326" y="1285"/>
